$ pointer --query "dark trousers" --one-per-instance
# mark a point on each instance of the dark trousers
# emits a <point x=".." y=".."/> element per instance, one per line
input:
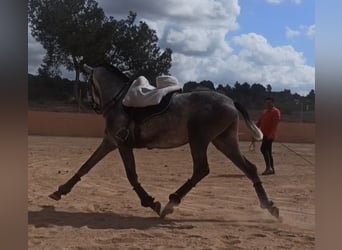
<point x="266" y="150"/>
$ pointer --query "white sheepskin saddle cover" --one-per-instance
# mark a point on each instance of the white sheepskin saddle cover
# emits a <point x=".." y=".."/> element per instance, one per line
<point x="143" y="94"/>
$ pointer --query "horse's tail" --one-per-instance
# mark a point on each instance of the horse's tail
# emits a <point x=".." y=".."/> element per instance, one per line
<point x="256" y="132"/>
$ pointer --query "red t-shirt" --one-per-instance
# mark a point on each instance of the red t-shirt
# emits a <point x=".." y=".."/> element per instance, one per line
<point x="268" y="122"/>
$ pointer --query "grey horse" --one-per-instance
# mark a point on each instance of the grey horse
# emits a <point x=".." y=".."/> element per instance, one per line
<point x="196" y="118"/>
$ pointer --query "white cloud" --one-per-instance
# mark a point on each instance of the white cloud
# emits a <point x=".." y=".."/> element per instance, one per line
<point x="188" y="27"/>
<point x="256" y="49"/>
<point x="195" y="30"/>
<point x="256" y="61"/>
<point x="196" y="12"/>
<point x="302" y="30"/>
<point x="290" y="33"/>
<point x="311" y="31"/>
<point x="282" y="1"/>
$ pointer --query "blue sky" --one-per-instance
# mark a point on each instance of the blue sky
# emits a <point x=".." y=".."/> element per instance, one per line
<point x="271" y="21"/>
<point x="257" y="41"/>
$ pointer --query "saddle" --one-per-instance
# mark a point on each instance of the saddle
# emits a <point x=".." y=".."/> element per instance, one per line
<point x="138" y="116"/>
<point x="143" y="101"/>
<point x="141" y="114"/>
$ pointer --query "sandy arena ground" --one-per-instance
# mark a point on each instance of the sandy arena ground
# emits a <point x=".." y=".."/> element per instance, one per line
<point x="221" y="212"/>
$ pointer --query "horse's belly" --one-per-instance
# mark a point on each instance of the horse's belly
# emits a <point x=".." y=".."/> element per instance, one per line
<point x="163" y="135"/>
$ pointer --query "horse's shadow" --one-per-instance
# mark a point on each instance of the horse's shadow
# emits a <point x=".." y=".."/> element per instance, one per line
<point x="229" y="176"/>
<point x="107" y="220"/>
<point x="96" y="220"/>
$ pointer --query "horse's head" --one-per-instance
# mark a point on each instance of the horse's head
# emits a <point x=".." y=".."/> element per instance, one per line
<point x="93" y="89"/>
<point x="106" y="85"/>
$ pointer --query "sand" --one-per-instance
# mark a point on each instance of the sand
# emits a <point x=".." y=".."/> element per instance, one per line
<point x="221" y="212"/>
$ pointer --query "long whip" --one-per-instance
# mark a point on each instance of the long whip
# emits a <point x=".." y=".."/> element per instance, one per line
<point x="296" y="153"/>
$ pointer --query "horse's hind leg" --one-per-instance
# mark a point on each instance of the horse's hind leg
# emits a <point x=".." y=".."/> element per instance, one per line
<point x="198" y="148"/>
<point x="227" y="143"/>
<point x="104" y="148"/>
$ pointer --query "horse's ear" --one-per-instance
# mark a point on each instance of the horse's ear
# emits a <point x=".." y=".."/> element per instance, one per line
<point x="87" y="68"/>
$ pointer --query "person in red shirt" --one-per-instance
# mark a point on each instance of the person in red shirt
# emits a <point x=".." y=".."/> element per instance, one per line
<point x="268" y="124"/>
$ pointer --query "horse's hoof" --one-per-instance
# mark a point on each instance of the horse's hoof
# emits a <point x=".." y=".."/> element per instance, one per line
<point x="168" y="209"/>
<point x="157" y="207"/>
<point x="56" y="196"/>
<point x="267" y="205"/>
<point x="275" y="212"/>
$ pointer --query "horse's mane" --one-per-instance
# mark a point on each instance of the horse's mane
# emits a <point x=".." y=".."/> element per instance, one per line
<point x="115" y="71"/>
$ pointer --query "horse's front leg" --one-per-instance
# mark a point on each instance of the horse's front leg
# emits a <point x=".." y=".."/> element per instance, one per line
<point x="198" y="148"/>
<point x="127" y="156"/>
<point x="105" y="147"/>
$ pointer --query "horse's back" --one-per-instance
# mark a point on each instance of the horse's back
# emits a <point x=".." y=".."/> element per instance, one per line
<point x="207" y="113"/>
<point x="204" y="102"/>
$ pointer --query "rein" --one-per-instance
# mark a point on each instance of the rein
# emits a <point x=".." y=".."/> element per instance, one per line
<point x="115" y="99"/>
<point x="97" y="108"/>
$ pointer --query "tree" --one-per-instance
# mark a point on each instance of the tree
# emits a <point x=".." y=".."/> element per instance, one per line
<point x="135" y="49"/>
<point x="310" y="100"/>
<point x="190" y="86"/>
<point x="229" y="91"/>
<point x="257" y="95"/>
<point x="72" y="32"/>
<point x="221" y="89"/>
<point x="269" y="88"/>
<point x="241" y="93"/>
<point x="245" y="88"/>
<point x="311" y="96"/>
<point x="207" y="84"/>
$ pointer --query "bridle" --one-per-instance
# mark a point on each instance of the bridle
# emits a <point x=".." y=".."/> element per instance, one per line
<point x="103" y="109"/>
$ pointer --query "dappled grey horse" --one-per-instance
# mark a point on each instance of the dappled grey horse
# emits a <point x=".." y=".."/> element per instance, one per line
<point x="197" y="118"/>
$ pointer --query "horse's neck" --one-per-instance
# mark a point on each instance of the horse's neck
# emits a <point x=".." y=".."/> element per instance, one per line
<point x="109" y="83"/>
<point x="111" y="89"/>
